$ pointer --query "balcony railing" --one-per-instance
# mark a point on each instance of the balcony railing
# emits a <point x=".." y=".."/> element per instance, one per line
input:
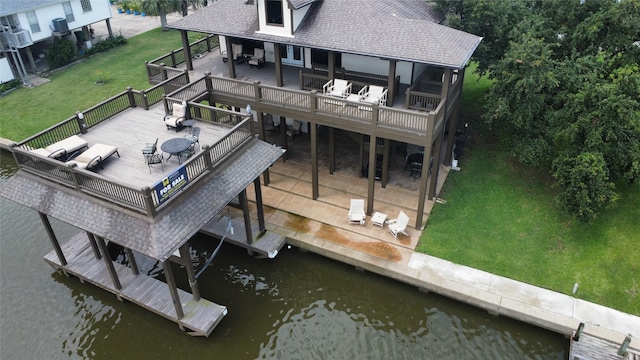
<point x="18" y="39"/>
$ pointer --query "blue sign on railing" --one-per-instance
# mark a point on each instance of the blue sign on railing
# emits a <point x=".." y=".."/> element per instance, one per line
<point x="171" y="185"/>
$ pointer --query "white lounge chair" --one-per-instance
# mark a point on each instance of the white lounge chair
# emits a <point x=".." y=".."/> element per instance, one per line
<point x="399" y="225"/>
<point x="337" y="87"/>
<point x="63" y="148"/>
<point x="373" y="94"/>
<point x="177" y="116"/>
<point x="95" y="155"/>
<point x="257" y="59"/>
<point x="294" y="130"/>
<point x="356" y="212"/>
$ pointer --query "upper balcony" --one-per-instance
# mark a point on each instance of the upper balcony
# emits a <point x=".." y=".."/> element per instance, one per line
<point x="16" y="39"/>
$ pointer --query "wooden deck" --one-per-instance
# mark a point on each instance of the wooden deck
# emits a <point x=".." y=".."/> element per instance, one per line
<point x="266" y="244"/>
<point x="200" y="317"/>
<point x="592" y="347"/>
<point x="130" y="131"/>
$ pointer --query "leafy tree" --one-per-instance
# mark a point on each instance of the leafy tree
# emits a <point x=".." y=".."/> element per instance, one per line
<point x="61" y="53"/>
<point x="567" y="92"/>
<point x="160" y="8"/>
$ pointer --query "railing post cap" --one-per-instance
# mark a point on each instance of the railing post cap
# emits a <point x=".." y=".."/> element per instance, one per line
<point x="257" y="82"/>
<point x="314" y="91"/>
<point x="207" y="73"/>
<point x="129" y="88"/>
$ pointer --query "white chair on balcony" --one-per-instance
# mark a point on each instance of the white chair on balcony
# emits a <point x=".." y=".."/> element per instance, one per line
<point x="177" y="116"/>
<point x="373" y="94"/>
<point x="337" y="87"/>
<point x="399" y="225"/>
<point x="356" y="212"/>
<point x="257" y="59"/>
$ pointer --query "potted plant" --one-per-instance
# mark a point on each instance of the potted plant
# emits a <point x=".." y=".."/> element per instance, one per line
<point x="124" y="5"/>
<point x="135" y="8"/>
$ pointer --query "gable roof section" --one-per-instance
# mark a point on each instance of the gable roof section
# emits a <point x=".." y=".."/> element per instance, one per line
<point x="405" y="30"/>
<point x="297" y="4"/>
<point x="8" y="7"/>
<point x="157" y="237"/>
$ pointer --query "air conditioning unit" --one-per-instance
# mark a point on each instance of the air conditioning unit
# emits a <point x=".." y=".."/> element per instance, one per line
<point x="60" y="25"/>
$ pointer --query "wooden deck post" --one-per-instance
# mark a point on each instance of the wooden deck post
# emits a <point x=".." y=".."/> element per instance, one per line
<point x="332" y="65"/>
<point x="107" y="261"/>
<point x="185" y="256"/>
<point x="242" y="197"/>
<point x="423" y="180"/>
<point x="372" y="159"/>
<point x="259" y="204"/>
<point x="187" y="50"/>
<point x="171" y="283"/>
<point x="391" y="82"/>
<point x="81" y="123"/>
<point x="278" y="61"/>
<point x="385" y="162"/>
<point x="52" y="238"/>
<point x="435" y="172"/>
<point x="283" y="136"/>
<point x="94" y="246"/>
<point x="132" y="261"/>
<point x="230" y="63"/>
<point x="332" y="152"/>
<point x="315" y="184"/>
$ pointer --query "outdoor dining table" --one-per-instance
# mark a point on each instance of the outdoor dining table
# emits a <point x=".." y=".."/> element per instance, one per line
<point x="175" y="146"/>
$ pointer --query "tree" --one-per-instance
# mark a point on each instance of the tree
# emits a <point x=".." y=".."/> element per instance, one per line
<point x="160" y="8"/>
<point x="567" y="89"/>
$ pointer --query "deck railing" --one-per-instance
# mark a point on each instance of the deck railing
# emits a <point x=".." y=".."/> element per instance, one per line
<point x="142" y="200"/>
<point x="166" y="66"/>
<point x="335" y="110"/>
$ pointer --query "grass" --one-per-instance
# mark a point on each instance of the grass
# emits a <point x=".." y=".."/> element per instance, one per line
<point x="500" y="217"/>
<point x="27" y="111"/>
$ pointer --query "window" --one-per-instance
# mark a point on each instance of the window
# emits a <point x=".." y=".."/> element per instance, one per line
<point x="33" y="22"/>
<point x="68" y="12"/>
<point x="86" y="5"/>
<point x="274" y="12"/>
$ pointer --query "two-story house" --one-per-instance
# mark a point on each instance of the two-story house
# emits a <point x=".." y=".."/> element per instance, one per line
<point x="27" y="23"/>
<point x="399" y="46"/>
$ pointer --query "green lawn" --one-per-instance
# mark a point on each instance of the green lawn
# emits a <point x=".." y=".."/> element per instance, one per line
<point x="500" y="217"/>
<point x="25" y="112"/>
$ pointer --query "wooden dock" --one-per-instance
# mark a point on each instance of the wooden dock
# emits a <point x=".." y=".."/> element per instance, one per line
<point x="200" y="317"/>
<point x="592" y="347"/>
<point x="266" y="244"/>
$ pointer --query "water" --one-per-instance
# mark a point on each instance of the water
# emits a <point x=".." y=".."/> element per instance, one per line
<point x="297" y="306"/>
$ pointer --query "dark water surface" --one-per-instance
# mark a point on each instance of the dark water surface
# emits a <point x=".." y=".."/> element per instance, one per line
<point x="297" y="306"/>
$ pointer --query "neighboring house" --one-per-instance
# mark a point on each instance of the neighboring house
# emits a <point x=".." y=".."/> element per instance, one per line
<point x="25" y="23"/>
<point x="400" y="45"/>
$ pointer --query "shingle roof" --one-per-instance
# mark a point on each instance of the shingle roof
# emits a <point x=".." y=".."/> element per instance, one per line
<point x="406" y="30"/>
<point x="297" y="4"/>
<point x="158" y="237"/>
<point x="8" y="7"/>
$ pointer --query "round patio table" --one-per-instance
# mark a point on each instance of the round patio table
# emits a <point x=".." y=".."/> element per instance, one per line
<point x="175" y="146"/>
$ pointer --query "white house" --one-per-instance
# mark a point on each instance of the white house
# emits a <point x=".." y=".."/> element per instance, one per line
<point x="25" y="23"/>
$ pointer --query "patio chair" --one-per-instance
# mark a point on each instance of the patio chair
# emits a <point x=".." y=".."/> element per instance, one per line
<point x="94" y="156"/>
<point x="356" y="212"/>
<point x="177" y="117"/>
<point x="257" y="59"/>
<point x="184" y="155"/>
<point x="236" y="55"/>
<point x="373" y="94"/>
<point x="399" y="225"/>
<point x="63" y="149"/>
<point x="294" y="130"/>
<point x="337" y="87"/>
<point x="150" y="148"/>
<point x="194" y="137"/>
<point x="155" y="158"/>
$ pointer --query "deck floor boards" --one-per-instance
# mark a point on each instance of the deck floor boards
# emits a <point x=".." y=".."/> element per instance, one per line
<point x="200" y="317"/>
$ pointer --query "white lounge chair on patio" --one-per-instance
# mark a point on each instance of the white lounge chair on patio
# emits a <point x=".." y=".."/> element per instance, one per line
<point x="257" y="59"/>
<point x="399" y="225"/>
<point x="95" y="155"/>
<point x="62" y="149"/>
<point x="337" y="87"/>
<point x="356" y="212"/>
<point x="373" y="94"/>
